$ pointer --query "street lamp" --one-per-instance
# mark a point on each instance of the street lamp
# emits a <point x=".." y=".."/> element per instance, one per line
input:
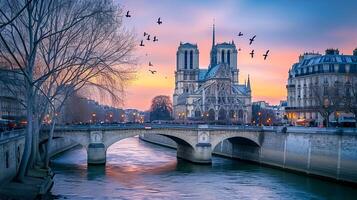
<point x="93" y="117"/>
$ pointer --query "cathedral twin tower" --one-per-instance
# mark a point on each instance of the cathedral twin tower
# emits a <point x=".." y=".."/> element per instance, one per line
<point x="214" y="93"/>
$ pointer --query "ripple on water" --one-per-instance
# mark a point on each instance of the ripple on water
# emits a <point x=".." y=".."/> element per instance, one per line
<point x="138" y="170"/>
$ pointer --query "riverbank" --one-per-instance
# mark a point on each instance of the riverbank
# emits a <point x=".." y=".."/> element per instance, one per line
<point x="38" y="182"/>
<point x="331" y="156"/>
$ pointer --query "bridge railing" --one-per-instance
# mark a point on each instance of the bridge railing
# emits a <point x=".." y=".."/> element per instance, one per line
<point x="70" y="128"/>
<point x="152" y="126"/>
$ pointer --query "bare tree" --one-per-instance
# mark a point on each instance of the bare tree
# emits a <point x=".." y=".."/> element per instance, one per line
<point x="8" y="18"/>
<point x="62" y="47"/>
<point x="161" y="108"/>
<point x="350" y="96"/>
<point x="335" y="97"/>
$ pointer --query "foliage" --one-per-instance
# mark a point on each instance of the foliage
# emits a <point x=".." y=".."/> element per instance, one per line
<point x="161" y="108"/>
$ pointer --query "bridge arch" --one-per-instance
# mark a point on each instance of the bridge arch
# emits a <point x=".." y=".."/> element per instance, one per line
<point x="180" y="137"/>
<point x="242" y="148"/>
<point x="252" y="138"/>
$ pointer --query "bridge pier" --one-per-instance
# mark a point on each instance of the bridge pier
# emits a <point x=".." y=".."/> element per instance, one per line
<point x="201" y="154"/>
<point x="96" y="154"/>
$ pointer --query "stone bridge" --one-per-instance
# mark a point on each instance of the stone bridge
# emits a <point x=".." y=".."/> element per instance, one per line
<point x="195" y="143"/>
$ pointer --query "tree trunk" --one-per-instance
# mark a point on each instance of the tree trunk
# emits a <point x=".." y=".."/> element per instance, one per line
<point x="49" y="142"/>
<point x="28" y="139"/>
<point x="35" y="143"/>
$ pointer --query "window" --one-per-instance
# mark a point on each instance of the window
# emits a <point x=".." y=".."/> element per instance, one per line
<point x="7" y="161"/>
<point x="222" y="56"/>
<point x="342" y="68"/>
<point x="331" y="68"/>
<point x="185" y="60"/>
<point x="320" y="68"/>
<point x="229" y="57"/>
<point x="191" y="59"/>
<point x="18" y="155"/>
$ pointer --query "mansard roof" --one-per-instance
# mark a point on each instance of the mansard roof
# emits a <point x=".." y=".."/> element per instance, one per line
<point x="307" y="64"/>
<point x="332" y="56"/>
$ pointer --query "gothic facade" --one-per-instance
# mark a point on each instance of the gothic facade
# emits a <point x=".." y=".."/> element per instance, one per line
<point x="214" y="93"/>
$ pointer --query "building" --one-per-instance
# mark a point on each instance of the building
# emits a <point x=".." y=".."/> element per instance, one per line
<point x="266" y="114"/>
<point x="78" y="110"/>
<point x="214" y="93"/>
<point x="12" y="95"/>
<point x="321" y="88"/>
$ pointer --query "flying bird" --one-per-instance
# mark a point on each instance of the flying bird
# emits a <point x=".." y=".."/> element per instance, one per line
<point x="252" y="39"/>
<point x="150" y="64"/>
<point x="266" y="55"/>
<point x="127" y="14"/>
<point x="159" y="21"/>
<point x="152" y="71"/>
<point x="155" y="39"/>
<point x="239" y="49"/>
<point x="240" y="34"/>
<point x="148" y="37"/>
<point x="142" y="43"/>
<point x="145" y="34"/>
<point x="252" y="53"/>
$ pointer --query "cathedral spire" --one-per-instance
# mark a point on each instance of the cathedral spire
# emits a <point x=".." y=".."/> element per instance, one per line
<point x="248" y="84"/>
<point x="214" y="34"/>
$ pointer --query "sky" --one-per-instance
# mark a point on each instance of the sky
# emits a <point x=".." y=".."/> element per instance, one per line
<point x="287" y="28"/>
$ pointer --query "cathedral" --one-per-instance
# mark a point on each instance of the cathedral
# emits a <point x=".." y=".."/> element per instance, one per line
<point x="212" y="94"/>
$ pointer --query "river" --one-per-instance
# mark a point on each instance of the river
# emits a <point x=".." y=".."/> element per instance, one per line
<point x="140" y="170"/>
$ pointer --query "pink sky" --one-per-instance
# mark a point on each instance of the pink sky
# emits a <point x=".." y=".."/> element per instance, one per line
<point x="277" y="27"/>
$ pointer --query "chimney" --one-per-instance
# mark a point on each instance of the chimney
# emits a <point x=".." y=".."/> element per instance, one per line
<point x="332" y="52"/>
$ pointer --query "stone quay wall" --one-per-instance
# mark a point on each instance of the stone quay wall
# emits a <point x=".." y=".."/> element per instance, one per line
<point x="330" y="153"/>
<point x="11" y="150"/>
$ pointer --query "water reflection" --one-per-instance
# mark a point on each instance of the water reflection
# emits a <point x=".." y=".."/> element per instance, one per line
<point x="138" y="170"/>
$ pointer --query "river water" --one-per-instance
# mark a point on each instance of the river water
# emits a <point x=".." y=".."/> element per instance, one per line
<point x="139" y="170"/>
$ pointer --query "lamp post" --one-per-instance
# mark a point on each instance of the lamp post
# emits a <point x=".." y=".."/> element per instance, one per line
<point x="326" y="106"/>
<point x="93" y="117"/>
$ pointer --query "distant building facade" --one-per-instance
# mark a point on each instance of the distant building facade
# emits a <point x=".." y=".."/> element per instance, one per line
<point x="311" y="82"/>
<point x="265" y="114"/>
<point x="214" y="93"/>
<point x="11" y="95"/>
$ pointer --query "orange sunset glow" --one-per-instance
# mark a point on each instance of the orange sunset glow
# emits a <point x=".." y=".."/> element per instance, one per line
<point x="278" y="27"/>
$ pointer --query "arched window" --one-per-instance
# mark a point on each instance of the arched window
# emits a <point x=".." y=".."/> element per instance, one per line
<point x="222" y="56"/>
<point x="229" y="57"/>
<point x="240" y="114"/>
<point x="191" y="59"/>
<point x="185" y="60"/>
<point x="7" y="161"/>
<point x="18" y="155"/>
<point x="197" y="113"/>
